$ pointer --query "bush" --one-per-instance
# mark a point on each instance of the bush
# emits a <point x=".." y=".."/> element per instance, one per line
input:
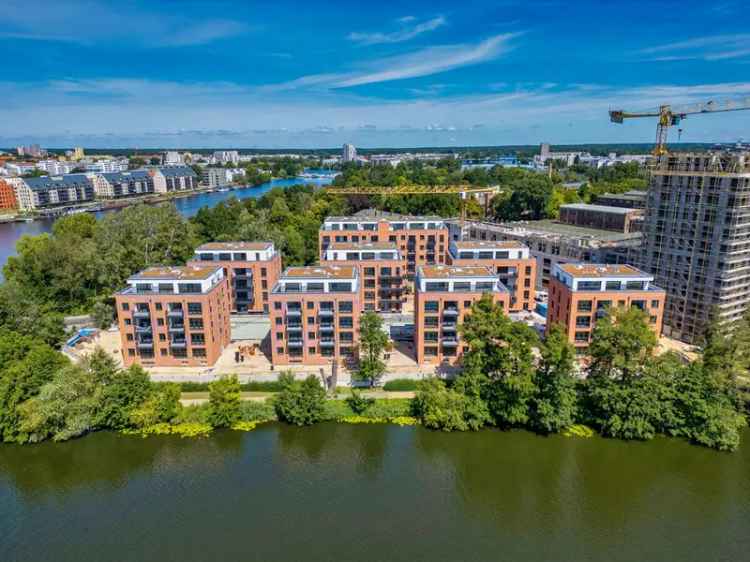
<point x="256" y="411"/>
<point x="390" y="408"/>
<point x="359" y="403"/>
<point x="255" y="386"/>
<point x="224" y="401"/>
<point x="442" y="408"/>
<point x="401" y="385"/>
<point x="300" y="403"/>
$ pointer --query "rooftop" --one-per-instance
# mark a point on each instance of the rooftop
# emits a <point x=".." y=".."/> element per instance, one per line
<point x="177" y="171"/>
<point x="601" y="270"/>
<point x="489" y="244"/>
<point x="67" y="180"/>
<point x="599" y="208"/>
<point x="234" y="246"/>
<point x="184" y="273"/>
<point x="126" y="176"/>
<point x="448" y="271"/>
<point x="320" y="272"/>
<point x="382" y="245"/>
<point x="369" y="215"/>
<point x="632" y="195"/>
<point x="551" y="229"/>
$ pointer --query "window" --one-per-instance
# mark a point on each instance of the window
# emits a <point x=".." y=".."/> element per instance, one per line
<point x="430" y="351"/>
<point x="430" y="336"/>
<point x="370" y="283"/>
<point x="346" y="337"/>
<point x="369" y="271"/>
<point x="652" y="319"/>
<point x="310" y="306"/>
<point x="583" y="321"/>
<point x="262" y="271"/>
<point x="196" y="323"/>
<point x="431" y="306"/>
<point x="634" y="285"/>
<point x="128" y="322"/>
<point x="195" y="308"/>
<point x="311" y="319"/>
<point x="279" y="335"/>
<point x="431" y="322"/>
<point x="131" y="352"/>
<point x="199" y="352"/>
<point x="654" y="304"/>
<point x="467" y="304"/>
<point x="189" y="288"/>
<point x="589" y="285"/>
<point x="340" y="287"/>
<point x="461" y="286"/>
<point x="279" y="321"/>
<point x="158" y="306"/>
<point x="197" y="339"/>
<point x="582" y="337"/>
<point x="584" y="306"/>
<point x="311" y="350"/>
<point x="310" y="335"/>
<point x="129" y="337"/>
<point x="346" y="306"/>
<point x="162" y="337"/>
<point x="346" y="322"/>
<point x="277" y="305"/>
<point x="280" y="350"/>
<point x="160" y="321"/>
<point x="436" y="286"/>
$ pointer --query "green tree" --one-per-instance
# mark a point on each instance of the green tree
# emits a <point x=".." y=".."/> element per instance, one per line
<point x="502" y="350"/>
<point x="555" y="403"/>
<point x="300" y="402"/>
<point x="439" y="407"/>
<point x="372" y="343"/>
<point x="359" y="403"/>
<point x="124" y="392"/>
<point x="224" y="401"/>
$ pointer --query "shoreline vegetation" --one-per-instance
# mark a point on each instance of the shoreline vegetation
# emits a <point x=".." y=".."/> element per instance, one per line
<point x="509" y="379"/>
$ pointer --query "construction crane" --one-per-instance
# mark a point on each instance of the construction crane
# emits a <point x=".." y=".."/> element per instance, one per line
<point x="463" y="191"/>
<point x="672" y="116"/>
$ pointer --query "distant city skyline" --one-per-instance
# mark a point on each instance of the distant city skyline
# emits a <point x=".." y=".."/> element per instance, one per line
<point x="227" y="74"/>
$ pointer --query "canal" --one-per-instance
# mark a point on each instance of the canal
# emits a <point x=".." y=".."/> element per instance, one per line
<point x="188" y="206"/>
<point x="372" y="493"/>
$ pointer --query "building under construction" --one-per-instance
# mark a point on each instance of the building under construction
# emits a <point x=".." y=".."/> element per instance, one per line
<point x="697" y="238"/>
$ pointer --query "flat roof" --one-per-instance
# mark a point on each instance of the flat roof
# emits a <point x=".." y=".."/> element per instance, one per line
<point x="548" y="227"/>
<point x="488" y="244"/>
<point x="182" y="273"/>
<point x="600" y="208"/>
<point x="320" y="272"/>
<point x="629" y="195"/>
<point x="219" y="246"/>
<point x="382" y="245"/>
<point x="602" y="270"/>
<point x="448" y="271"/>
<point x="374" y="215"/>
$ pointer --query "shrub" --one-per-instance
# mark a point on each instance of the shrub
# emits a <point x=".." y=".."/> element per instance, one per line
<point x="224" y="402"/>
<point x="359" y="403"/>
<point x="300" y="403"/>
<point x="256" y="411"/>
<point x="390" y="408"/>
<point x="442" y="408"/>
<point x="401" y="385"/>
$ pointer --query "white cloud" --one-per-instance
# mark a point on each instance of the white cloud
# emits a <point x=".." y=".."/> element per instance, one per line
<point x="424" y="62"/>
<point x="708" y="48"/>
<point x="404" y="34"/>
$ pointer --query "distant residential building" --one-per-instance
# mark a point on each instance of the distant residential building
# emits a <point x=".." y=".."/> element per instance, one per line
<point x="108" y="166"/>
<point x="174" y="178"/>
<point x="56" y="167"/>
<point x="225" y="156"/>
<point x="20" y="168"/>
<point x="78" y="153"/>
<point x="315" y="313"/>
<point x="619" y="219"/>
<point x="552" y="242"/>
<point x="580" y="294"/>
<point x="382" y="271"/>
<point x="383" y="159"/>
<point x="546" y="154"/>
<point x="634" y="199"/>
<point x="252" y="269"/>
<point x="421" y="240"/>
<point x="349" y="153"/>
<point x="123" y="184"/>
<point x="55" y="191"/>
<point x="172" y="157"/>
<point x="443" y="297"/>
<point x="33" y="150"/>
<point x="214" y="177"/>
<point x="174" y="316"/>
<point x="21" y="193"/>
<point x="509" y="260"/>
<point x="8" y="199"/>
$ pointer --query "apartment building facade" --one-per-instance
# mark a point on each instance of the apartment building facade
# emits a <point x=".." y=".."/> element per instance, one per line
<point x="510" y="260"/>
<point x="174" y="178"/>
<point x="251" y="268"/>
<point x="315" y="313"/>
<point x="421" y="240"/>
<point x="696" y="239"/>
<point x="444" y="295"/>
<point x="123" y="184"/>
<point x="174" y="316"/>
<point x="8" y="199"/>
<point x="381" y="271"/>
<point x="580" y="294"/>
<point x="618" y="219"/>
<point x="54" y="191"/>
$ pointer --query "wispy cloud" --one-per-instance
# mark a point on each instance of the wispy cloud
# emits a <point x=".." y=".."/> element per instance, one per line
<point x="149" y="28"/>
<point x="424" y="62"/>
<point x="709" y="48"/>
<point x="409" y="29"/>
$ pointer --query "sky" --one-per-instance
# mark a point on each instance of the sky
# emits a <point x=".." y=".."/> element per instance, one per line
<point x="282" y="74"/>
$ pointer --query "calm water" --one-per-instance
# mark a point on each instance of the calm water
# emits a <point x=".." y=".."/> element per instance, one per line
<point x="188" y="206"/>
<point x="371" y="493"/>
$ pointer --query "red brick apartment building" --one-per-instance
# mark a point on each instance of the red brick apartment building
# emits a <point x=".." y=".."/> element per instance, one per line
<point x="421" y="240"/>
<point x="7" y="196"/>
<point x="381" y="271"/>
<point x="174" y="316"/>
<point x="252" y="269"/>
<point x="509" y="259"/>
<point x="315" y="313"/>
<point x="579" y="294"/>
<point x="444" y="294"/>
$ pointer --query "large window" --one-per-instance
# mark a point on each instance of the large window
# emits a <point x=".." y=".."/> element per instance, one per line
<point x="340" y="287"/>
<point x="584" y="306"/>
<point x="195" y="308"/>
<point x="344" y="306"/>
<point x="189" y="288"/>
<point x="431" y="306"/>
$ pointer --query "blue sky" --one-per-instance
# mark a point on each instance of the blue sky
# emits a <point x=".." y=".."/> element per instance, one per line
<point x="188" y="73"/>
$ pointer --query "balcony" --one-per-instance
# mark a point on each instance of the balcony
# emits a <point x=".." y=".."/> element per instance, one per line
<point x="450" y="311"/>
<point x="450" y="342"/>
<point x="178" y="343"/>
<point x="141" y="313"/>
<point x="295" y="343"/>
<point x="294" y="312"/>
<point x="175" y="313"/>
<point x="326" y="313"/>
<point x="143" y="329"/>
<point x="327" y="342"/>
<point x="176" y="328"/>
<point x="149" y="344"/>
<point x="294" y="328"/>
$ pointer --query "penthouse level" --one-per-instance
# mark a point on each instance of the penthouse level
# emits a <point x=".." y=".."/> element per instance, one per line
<point x="580" y="294"/>
<point x="252" y="269"/>
<point x="174" y="316"/>
<point x="444" y="296"/>
<point x="421" y="240"/>
<point x="511" y="260"/>
<point x="315" y="315"/>
<point x="381" y="270"/>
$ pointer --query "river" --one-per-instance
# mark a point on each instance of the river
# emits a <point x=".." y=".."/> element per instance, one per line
<point x="372" y="493"/>
<point x="188" y="206"/>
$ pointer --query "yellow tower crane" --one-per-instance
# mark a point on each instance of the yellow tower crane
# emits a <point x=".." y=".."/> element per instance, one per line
<point x="672" y="116"/>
